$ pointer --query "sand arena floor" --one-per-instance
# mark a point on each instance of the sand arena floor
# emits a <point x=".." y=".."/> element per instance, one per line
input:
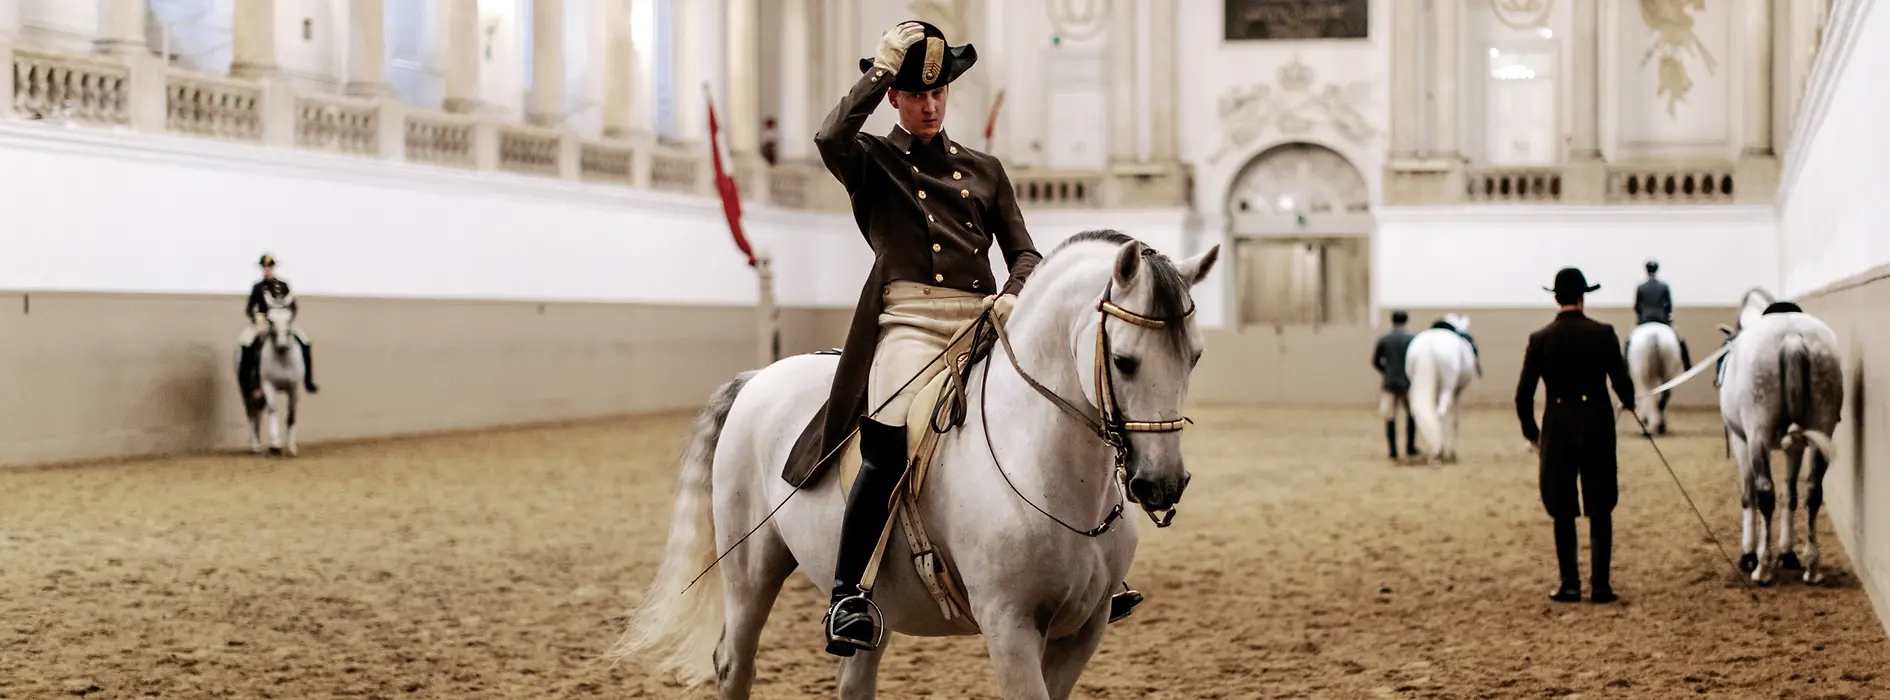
<point x="497" y="565"/>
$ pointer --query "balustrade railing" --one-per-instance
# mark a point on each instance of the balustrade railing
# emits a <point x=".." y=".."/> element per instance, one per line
<point x="75" y="87"/>
<point x="440" y="139"/>
<point x="675" y="169"/>
<point x="217" y="107"/>
<point x="343" y="124"/>
<point x="1671" y="183"/>
<point x="1058" y="189"/>
<point x="1505" y="184"/>
<point x="605" y="162"/>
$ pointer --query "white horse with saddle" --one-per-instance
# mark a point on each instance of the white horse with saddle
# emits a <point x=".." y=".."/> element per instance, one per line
<point x="1653" y="359"/>
<point x="1076" y="410"/>
<point x="1442" y="364"/>
<point x="272" y="389"/>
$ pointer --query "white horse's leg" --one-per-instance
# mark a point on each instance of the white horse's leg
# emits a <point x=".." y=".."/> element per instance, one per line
<point x="295" y="397"/>
<point x="1064" y="659"/>
<point x="859" y="673"/>
<point x="1787" y="531"/>
<point x="1765" y="500"/>
<point x="255" y="428"/>
<point x="1814" y="498"/>
<point x="270" y="402"/>
<point x="1748" y="517"/>
<point x="1016" y="646"/>
<point x="751" y="581"/>
<point x="1447" y="412"/>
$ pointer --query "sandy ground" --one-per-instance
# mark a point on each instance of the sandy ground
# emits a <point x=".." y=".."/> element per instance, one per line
<point x="497" y="565"/>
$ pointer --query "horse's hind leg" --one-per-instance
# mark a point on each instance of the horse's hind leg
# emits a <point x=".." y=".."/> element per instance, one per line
<point x="751" y="581"/>
<point x="1814" y="498"/>
<point x="1765" y="500"/>
<point x="295" y="398"/>
<point x="1064" y="659"/>
<point x="859" y="673"/>
<point x="1787" y="535"/>
<point x="1747" y="516"/>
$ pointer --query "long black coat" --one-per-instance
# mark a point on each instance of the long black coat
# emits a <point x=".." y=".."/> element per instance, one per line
<point x="1574" y="357"/>
<point x="931" y="212"/>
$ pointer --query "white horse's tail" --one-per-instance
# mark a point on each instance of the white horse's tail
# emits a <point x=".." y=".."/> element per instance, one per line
<point x="1427" y="382"/>
<point x="1794" y="365"/>
<point x="673" y="630"/>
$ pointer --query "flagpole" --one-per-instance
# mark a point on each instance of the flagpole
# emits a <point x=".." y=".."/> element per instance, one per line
<point x="767" y="315"/>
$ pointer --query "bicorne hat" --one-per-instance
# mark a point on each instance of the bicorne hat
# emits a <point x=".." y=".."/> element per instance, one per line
<point x="1571" y="281"/>
<point x="267" y="260"/>
<point x="930" y="63"/>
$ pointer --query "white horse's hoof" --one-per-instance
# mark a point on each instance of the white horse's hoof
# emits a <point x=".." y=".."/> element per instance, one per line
<point x="1814" y="578"/>
<point x="1763" y="575"/>
<point x="255" y="448"/>
<point x="291" y="451"/>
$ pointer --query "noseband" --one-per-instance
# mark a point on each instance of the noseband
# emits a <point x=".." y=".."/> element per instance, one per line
<point x="1108" y="424"/>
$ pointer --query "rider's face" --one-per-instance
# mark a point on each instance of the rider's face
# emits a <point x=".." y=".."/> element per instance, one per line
<point x="269" y="272"/>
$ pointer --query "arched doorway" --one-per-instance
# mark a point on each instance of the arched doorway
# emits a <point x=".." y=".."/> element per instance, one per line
<point x="1301" y="223"/>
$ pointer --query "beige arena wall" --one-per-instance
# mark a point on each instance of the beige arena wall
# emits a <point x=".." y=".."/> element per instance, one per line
<point x="102" y="376"/>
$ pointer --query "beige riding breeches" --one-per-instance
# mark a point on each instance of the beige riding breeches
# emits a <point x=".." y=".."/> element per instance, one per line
<point x="1389" y="401"/>
<point x="915" y="325"/>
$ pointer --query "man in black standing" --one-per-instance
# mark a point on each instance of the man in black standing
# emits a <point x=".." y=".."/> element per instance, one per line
<point x="1388" y="359"/>
<point x="1575" y="358"/>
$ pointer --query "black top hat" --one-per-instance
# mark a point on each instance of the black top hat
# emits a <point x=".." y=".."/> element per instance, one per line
<point x="1571" y="281"/>
<point x="930" y="63"/>
<point x="267" y="260"/>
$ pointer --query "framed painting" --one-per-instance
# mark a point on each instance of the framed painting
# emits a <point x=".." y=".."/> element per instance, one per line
<point x="1277" y="20"/>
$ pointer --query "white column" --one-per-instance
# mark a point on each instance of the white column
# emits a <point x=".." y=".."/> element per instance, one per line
<point x="1121" y="82"/>
<point x="546" y="104"/>
<point x="253" y="39"/>
<point x="1162" y="69"/>
<point x="620" y="69"/>
<point x="463" y="40"/>
<point x="9" y="18"/>
<point x="686" y="67"/>
<point x="796" y="133"/>
<point x="1448" y="64"/>
<point x="1794" y="48"/>
<point x="1585" y="139"/>
<point x="1406" y="18"/>
<point x="9" y="33"/>
<point x="1757" y="26"/>
<point x="743" y="44"/>
<point x="367" y="48"/>
<point x="120" y="26"/>
<point x="851" y="48"/>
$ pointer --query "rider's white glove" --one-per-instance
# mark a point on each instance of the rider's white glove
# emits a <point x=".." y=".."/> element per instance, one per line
<point x="1001" y="305"/>
<point x="893" y="45"/>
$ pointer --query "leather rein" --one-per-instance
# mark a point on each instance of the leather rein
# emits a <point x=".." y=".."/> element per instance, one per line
<point x="1108" y="424"/>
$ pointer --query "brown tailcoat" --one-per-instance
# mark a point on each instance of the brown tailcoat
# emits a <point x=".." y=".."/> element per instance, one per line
<point x="931" y="212"/>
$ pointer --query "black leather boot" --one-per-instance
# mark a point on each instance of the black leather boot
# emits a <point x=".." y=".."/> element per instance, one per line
<point x="849" y="621"/>
<point x="1600" y="550"/>
<point x="1391" y="437"/>
<point x="1686" y="357"/>
<point x="1410" y="436"/>
<point x="308" y="369"/>
<point x="1565" y="551"/>
<point x="248" y="380"/>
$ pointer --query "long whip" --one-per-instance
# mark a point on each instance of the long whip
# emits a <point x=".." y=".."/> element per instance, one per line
<point x="1741" y="575"/>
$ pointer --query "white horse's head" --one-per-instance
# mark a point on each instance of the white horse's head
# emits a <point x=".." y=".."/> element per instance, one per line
<point x="279" y="317"/>
<point x="1125" y="316"/>
<point x="1458" y="321"/>
<point x="1751" y="306"/>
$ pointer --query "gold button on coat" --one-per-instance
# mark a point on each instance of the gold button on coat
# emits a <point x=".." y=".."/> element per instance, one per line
<point x="954" y="150"/>
<point x="964" y="193"/>
<point x="958" y="176"/>
<point x="921" y="194"/>
<point x="938" y="278"/>
<point x="929" y="217"/>
<point x="936" y="247"/>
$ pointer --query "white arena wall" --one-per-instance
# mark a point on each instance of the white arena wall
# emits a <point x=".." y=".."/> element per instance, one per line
<point x="1834" y="259"/>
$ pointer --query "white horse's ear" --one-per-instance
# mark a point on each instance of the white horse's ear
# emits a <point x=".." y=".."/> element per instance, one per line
<point x="1128" y="262"/>
<point x="1723" y="328"/>
<point x="1196" y="268"/>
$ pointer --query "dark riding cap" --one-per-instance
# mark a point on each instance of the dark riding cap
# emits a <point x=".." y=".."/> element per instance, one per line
<point x="1653" y="266"/>
<point x="267" y="260"/>
<point x="931" y="63"/>
<point x="1400" y="316"/>
<point x="1570" y="284"/>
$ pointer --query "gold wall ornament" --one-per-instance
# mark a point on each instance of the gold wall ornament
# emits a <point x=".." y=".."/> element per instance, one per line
<point x="934" y="59"/>
<point x="1522" y="14"/>
<point x="1293" y="106"/>
<point x="1672" y="23"/>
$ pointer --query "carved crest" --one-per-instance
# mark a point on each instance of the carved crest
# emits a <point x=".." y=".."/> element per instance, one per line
<point x="934" y="60"/>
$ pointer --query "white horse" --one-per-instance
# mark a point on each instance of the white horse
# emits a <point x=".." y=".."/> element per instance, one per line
<point x="1781" y="384"/>
<point x="1442" y="363"/>
<point x="1653" y="359"/>
<point x="279" y="391"/>
<point x="1104" y="322"/>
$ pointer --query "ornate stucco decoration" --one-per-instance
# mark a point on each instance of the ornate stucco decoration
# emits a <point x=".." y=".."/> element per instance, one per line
<point x="1522" y="14"/>
<point x="1293" y="106"/>
<point x="1078" y="19"/>
<point x="1672" y="23"/>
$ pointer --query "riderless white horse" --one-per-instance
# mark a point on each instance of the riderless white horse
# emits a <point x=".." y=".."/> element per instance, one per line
<point x="1781" y="384"/>
<point x="275" y="390"/>
<point x="1442" y="363"/>
<point x="1653" y="359"/>
<point x="1103" y="331"/>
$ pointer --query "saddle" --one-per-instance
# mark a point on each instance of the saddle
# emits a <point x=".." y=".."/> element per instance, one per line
<point x="938" y="407"/>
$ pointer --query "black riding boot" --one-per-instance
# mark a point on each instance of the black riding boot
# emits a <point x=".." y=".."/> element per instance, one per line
<point x="1391" y="437"/>
<point x="1565" y="552"/>
<point x="882" y="463"/>
<point x="1600" y="550"/>
<point x="248" y="380"/>
<point x="1686" y="358"/>
<point x="308" y="369"/>
<point x="1410" y="436"/>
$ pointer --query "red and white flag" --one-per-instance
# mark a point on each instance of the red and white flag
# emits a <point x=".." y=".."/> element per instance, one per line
<point x="990" y="122"/>
<point x="724" y="182"/>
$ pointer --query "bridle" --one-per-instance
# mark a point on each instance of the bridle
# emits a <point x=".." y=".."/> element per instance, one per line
<point x="1108" y="424"/>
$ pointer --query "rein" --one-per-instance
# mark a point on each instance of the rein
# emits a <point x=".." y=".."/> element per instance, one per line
<point x="1108" y="423"/>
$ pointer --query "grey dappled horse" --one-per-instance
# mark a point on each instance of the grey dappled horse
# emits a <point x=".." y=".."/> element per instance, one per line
<point x="279" y="391"/>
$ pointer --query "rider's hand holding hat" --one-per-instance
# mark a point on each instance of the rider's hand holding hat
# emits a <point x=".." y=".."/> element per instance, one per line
<point x="893" y="45"/>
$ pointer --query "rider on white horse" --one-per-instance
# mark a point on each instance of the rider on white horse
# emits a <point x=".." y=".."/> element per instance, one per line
<point x="931" y="209"/>
<point x="268" y="291"/>
<point x="1653" y="303"/>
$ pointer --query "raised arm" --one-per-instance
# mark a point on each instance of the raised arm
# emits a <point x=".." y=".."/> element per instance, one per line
<point x="1526" y="391"/>
<point x="838" y="140"/>
<point x="1020" y="254"/>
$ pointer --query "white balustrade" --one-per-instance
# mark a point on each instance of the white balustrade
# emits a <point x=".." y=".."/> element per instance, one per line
<point x="77" y="87"/>
<point x="213" y="106"/>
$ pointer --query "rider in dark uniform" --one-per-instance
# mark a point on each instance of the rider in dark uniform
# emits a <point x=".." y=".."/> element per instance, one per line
<point x="1575" y="359"/>
<point x="1653" y="303"/>
<point x="269" y="287"/>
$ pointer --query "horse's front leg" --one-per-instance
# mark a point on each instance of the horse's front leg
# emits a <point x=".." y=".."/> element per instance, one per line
<point x="1748" y="517"/>
<point x="1016" y="645"/>
<point x="271" y="404"/>
<point x="859" y="673"/>
<point x="295" y="398"/>
<point x="1064" y="659"/>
